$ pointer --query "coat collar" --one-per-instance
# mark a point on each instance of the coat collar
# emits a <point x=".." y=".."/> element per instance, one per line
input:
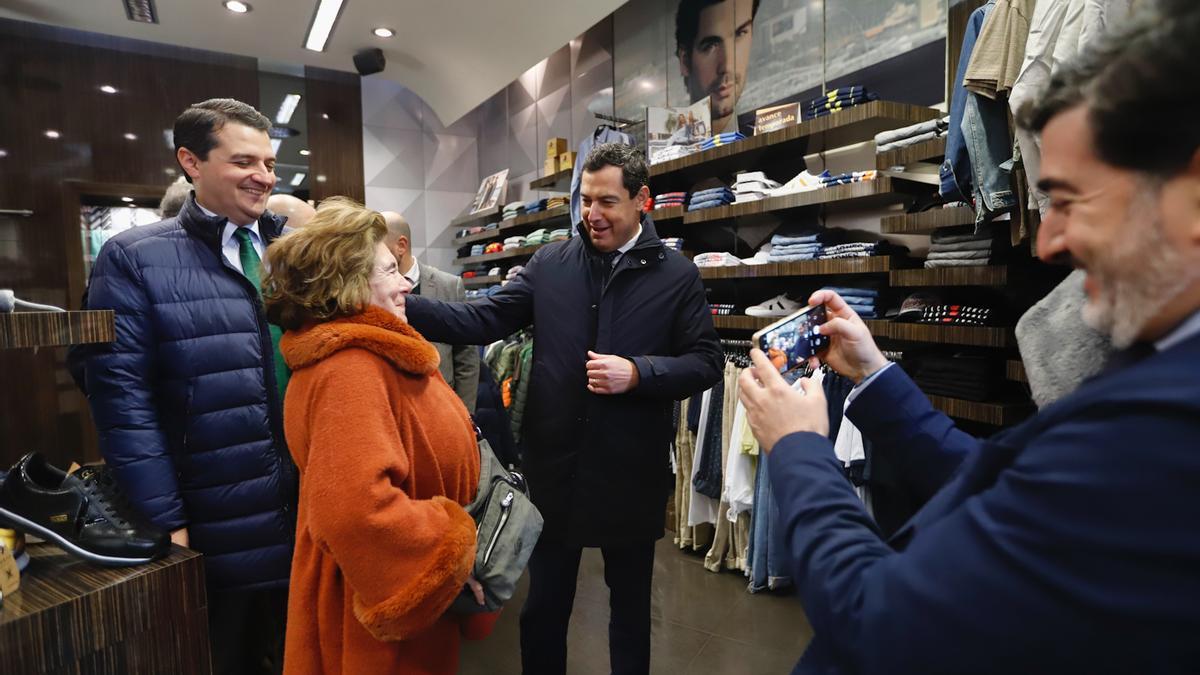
<point x="208" y="229"/>
<point x="374" y="330"/>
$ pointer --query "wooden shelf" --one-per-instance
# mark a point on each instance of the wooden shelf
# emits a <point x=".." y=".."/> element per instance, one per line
<point x="1015" y="370"/>
<point x="554" y="182"/>
<point x="857" y="123"/>
<point x="753" y="323"/>
<point x="472" y="218"/>
<point x="982" y="275"/>
<point x="671" y="213"/>
<point x="912" y="154"/>
<point x="927" y="221"/>
<point x="519" y="252"/>
<point x="476" y="282"/>
<point x="55" y="329"/>
<point x="802" y="268"/>
<point x="518" y="223"/>
<point x="867" y="194"/>
<point x="997" y="414"/>
<point x="977" y="336"/>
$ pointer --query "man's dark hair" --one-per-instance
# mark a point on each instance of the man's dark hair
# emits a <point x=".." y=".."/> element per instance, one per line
<point x="687" y="21"/>
<point x="634" y="172"/>
<point x="197" y="127"/>
<point x="1141" y="87"/>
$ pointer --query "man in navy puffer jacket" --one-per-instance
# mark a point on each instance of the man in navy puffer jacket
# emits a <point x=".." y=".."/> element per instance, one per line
<point x="187" y="400"/>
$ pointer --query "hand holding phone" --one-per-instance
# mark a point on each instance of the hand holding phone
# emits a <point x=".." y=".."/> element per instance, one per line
<point x="791" y="341"/>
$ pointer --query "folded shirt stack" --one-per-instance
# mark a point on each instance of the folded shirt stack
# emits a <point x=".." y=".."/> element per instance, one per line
<point x="673" y="243"/>
<point x="722" y="139"/>
<point x="535" y="206"/>
<point x="669" y="199"/>
<point x="837" y="99"/>
<point x="911" y="135"/>
<point x="802" y="182"/>
<point x="558" y="235"/>
<point x="850" y="177"/>
<point x="861" y="300"/>
<point x="513" y="242"/>
<point x="513" y="209"/>
<point x="556" y="202"/>
<point x="704" y="199"/>
<point x="477" y="249"/>
<point x="858" y="249"/>
<point x="513" y="272"/>
<point x="956" y="315"/>
<point x="670" y="152"/>
<point x="962" y="246"/>
<point x="969" y="377"/>
<point x="494" y="247"/>
<point x="716" y="259"/>
<point x="795" y="247"/>
<point x="535" y="238"/>
<point x="723" y="308"/>
<point x="752" y="186"/>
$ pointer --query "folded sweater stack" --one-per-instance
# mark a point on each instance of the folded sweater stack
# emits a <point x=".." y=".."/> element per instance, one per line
<point x="963" y="246"/>
<point x="704" y="199"/>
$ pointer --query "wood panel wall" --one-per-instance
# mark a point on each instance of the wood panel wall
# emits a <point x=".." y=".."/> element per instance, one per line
<point x="335" y="134"/>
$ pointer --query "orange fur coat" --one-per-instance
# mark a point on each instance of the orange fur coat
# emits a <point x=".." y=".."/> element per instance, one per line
<point x="387" y="455"/>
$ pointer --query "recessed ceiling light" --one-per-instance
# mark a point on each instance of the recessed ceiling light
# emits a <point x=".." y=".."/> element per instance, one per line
<point x="322" y="24"/>
<point x="287" y="108"/>
<point x="383" y="32"/>
<point x="305" y="153"/>
<point x="237" y="7"/>
<point x="131" y="137"/>
<point x="324" y="116"/>
<point x="647" y="84"/>
<point x="3" y="153"/>
<point x="321" y="178"/>
<point x="169" y="172"/>
<point x="297" y="179"/>
<point x="108" y="89"/>
<point x="127" y="200"/>
<point x="51" y="133"/>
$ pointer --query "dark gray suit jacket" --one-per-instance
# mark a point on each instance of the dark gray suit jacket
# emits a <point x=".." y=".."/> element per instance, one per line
<point x="460" y="363"/>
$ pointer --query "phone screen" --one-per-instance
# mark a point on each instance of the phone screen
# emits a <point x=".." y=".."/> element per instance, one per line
<point x="789" y="343"/>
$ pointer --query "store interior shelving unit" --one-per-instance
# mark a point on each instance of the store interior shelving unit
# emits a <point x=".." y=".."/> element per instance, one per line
<point x="54" y="329"/>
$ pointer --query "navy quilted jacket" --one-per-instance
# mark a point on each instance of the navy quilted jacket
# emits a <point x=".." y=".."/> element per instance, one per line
<point x="185" y="401"/>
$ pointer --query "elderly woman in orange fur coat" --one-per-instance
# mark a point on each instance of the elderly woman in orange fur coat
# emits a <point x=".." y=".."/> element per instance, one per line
<point x="387" y="457"/>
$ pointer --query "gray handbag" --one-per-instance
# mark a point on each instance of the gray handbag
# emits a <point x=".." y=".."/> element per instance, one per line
<point x="507" y="526"/>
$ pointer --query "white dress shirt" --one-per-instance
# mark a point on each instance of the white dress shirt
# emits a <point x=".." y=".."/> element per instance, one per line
<point x="230" y="248"/>
<point x="413" y="274"/>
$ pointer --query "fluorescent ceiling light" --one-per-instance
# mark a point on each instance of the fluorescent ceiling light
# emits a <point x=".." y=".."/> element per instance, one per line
<point x="275" y="143"/>
<point x="108" y="89"/>
<point x="287" y="108"/>
<point x="305" y="152"/>
<point x="383" y="32"/>
<point x="237" y="7"/>
<point x="322" y="24"/>
<point x="297" y="179"/>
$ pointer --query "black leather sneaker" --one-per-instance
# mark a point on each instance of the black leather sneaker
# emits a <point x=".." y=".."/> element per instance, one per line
<point x="83" y="512"/>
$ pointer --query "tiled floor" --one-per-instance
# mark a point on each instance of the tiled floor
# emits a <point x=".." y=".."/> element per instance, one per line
<point x="702" y="622"/>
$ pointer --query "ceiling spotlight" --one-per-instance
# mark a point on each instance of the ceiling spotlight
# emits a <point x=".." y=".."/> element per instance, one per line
<point x="321" y="178"/>
<point x="51" y="133"/>
<point x="305" y="153"/>
<point x="322" y="24"/>
<point x="131" y="137"/>
<point x="127" y="200"/>
<point x="108" y="89"/>
<point x="297" y="179"/>
<point x="169" y="171"/>
<point x="383" y="32"/>
<point x="324" y="116"/>
<point x="3" y="153"/>
<point x="237" y="7"/>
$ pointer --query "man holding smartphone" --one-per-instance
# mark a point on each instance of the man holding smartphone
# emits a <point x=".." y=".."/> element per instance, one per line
<point x="1069" y="542"/>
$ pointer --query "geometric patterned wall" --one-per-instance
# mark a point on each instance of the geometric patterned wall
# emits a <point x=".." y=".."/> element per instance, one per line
<point x="416" y="166"/>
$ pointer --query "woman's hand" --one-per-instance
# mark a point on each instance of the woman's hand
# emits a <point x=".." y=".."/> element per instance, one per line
<point x="852" y="351"/>
<point x="476" y="589"/>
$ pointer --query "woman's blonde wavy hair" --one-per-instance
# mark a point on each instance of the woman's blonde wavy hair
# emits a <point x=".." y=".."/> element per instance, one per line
<point x="321" y="271"/>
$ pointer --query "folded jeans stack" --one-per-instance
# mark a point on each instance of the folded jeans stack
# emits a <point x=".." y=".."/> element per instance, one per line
<point x="969" y="377"/>
<point x="849" y="177"/>
<point x="860" y="249"/>
<point x="669" y="199"/>
<point x="956" y="315"/>
<point x="911" y="135"/>
<point x="705" y="199"/>
<point x="862" y="300"/>
<point x="752" y="186"/>
<point x="962" y="246"/>
<point x="716" y="259"/>
<point x="837" y="99"/>
<point x="477" y="249"/>
<point x="535" y="206"/>
<point x="722" y="139"/>
<point x="795" y="246"/>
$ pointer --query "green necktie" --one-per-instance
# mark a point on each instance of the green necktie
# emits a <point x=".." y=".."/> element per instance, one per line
<point x="252" y="268"/>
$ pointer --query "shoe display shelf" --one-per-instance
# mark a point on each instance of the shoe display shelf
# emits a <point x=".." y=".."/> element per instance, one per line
<point x="69" y="616"/>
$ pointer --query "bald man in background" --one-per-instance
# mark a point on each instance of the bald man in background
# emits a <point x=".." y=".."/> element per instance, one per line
<point x="459" y="363"/>
<point x="296" y="210"/>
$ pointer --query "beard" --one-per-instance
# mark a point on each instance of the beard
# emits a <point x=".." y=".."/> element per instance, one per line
<point x="1136" y="281"/>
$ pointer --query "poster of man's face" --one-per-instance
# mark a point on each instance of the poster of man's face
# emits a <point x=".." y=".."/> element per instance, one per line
<point x="713" y="40"/>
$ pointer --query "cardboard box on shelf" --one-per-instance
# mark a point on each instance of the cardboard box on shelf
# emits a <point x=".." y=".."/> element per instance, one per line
<point x="566" y="161"/>
<point x="555" y="147"/>
<point x="550" y="166"/>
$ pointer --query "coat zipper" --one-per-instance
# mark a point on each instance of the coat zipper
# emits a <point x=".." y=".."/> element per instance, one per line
<point x="505" y="509"/>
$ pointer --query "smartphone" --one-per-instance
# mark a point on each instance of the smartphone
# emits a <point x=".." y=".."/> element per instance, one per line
<point x="789" y="342"/>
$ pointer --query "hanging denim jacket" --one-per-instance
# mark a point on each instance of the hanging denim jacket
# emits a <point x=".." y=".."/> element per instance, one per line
<point x="956" y="181"/>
